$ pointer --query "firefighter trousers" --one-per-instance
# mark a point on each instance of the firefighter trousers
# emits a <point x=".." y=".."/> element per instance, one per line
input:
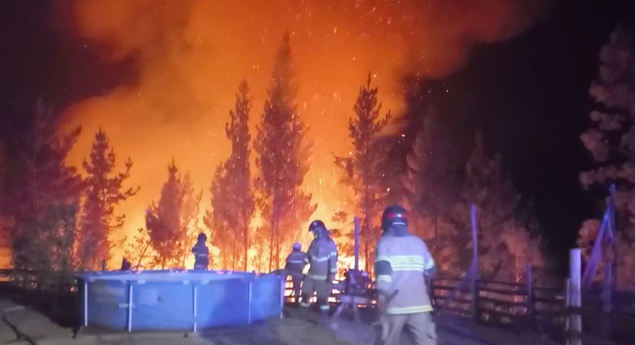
<point x="297" y="288"/>
<point x="419" y="326"/>
<point x="321" y="288"/>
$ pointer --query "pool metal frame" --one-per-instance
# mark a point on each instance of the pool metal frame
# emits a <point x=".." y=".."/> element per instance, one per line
<point x="95" y="276"/>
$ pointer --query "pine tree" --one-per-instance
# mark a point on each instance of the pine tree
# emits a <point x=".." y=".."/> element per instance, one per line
<point x="430" y="188"/>
<point x="611" y="142"/>
<point x="505" y="241"/>
<point x="363" y="170"/>
<point x="429" y="181"/>
<point x="233" y="202"/>
<point x="283" y="159"/>
<point x="163" y="220"/>
<point x="190" y="208"/>
<point x="42" y="197"/>
<point x="104" y="191"/>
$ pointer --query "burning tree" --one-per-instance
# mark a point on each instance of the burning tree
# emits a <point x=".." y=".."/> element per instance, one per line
<point x="233" y="203"/>
<point x="504" y="224"/>
<point x="42" y="198"/>
<point x="104" y="191"/>
<point x="611" y="142"/>
<point x="362" y="171"/>
<point x="283" y="159"/>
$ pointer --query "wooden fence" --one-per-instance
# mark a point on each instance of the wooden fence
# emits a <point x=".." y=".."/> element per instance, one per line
<point x="525" y="306"/>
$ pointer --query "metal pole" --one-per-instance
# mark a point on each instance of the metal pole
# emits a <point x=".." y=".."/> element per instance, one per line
<point x="474" y="239"/>
<point x="613" y="233"/>
<point x="575" y="268"/>
<point x="129" y="307"/>
<point x="85" y="303"/>
<point x="195" y="328"/>
<point x="249" y="305"/>
<point x="356" y="232"/>
<point x="474" y="268"/>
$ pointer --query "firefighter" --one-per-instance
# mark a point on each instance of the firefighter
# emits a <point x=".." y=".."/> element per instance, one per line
<point x="322" y="259"/>
<point x="402" y="266"/>
<point x="296" y="260"/>
<point x="201" y="253"/>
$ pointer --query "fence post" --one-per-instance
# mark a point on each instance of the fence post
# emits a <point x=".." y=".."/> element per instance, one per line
<point x="356" y="246"/>
<point x="606" y="301"/>
<point x="475" y="296"/>
<point x="566" y="302"/>
<point x="575" y="295"/>
<point x="474" y="269"/>
<point x="530" y="296"/>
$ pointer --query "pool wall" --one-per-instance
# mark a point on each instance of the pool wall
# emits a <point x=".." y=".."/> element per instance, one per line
<point x="167" y="300"/>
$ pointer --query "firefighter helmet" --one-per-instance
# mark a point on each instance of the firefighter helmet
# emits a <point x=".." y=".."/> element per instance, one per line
<point x="296" y="246"/>
<point x="317" y="227"/>
<point x="393" y="214"/>
<point x="202" y="237"/>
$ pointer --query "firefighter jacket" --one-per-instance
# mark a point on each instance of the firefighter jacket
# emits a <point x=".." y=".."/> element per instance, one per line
<point x="201" y="255"/>
<point x="296" y="260"/>
<point x="402" y="261"/>
<point x="322" y="258"/>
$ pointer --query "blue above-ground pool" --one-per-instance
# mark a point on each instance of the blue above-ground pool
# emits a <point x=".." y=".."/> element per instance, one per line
<point x="178" y="300"/>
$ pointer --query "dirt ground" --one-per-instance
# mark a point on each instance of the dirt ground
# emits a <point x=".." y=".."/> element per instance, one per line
<point x="295" y="329"/>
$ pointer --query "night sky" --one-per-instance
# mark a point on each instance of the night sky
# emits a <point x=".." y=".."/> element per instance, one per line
<point x="528" y="95"/>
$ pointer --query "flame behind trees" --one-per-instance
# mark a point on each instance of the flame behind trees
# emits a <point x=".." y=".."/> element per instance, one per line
<point x="170" y="221"/>
<point x="430" y="187"/>
<point x="233" y="203"/>
<point x="505" y="223"/>
<point x="42" y="198"/>
<point x="283" y="159"/>
<point x="104" y="190"/>
<point x="611" y="142"/>
<point x="362" y="170"/>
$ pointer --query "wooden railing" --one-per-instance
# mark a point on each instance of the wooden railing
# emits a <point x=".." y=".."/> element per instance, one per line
<point x="517" y="305"/>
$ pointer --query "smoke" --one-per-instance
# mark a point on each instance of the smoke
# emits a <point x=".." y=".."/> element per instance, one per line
<point x="192" y="54"/>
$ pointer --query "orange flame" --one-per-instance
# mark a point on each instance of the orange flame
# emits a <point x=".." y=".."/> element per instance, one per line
<point x="192" y="54"/>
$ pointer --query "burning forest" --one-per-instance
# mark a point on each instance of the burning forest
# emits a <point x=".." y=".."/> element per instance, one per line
<point x="245" y="121"/>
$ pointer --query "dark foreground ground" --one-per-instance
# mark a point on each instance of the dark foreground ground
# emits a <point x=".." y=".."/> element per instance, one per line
<point x="23" y="325"/>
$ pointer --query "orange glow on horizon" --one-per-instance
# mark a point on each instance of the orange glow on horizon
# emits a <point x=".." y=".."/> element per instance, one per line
<point x="192" y="55"/>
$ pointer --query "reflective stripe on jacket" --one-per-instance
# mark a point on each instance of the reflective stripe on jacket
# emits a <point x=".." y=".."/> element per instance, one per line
<point x="400" y="263"/>
<point x="296" y="261"/>
<point x="322" y="256"/>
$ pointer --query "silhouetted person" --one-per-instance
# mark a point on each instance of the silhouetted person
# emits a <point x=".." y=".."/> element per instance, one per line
<point x="201" y="253"/>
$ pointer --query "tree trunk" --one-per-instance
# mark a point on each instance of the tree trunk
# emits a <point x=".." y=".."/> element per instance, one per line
<point x="246" y="249"/>
<point x="271" y="241"/>
<point x="234" y="253"/>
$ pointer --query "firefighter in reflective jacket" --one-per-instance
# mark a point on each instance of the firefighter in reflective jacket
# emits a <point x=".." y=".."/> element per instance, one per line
<point x="402" y="266"/>
<point x="322" y="258"/>
<point x="296" y="260"/>
<point x="201" y="253"/>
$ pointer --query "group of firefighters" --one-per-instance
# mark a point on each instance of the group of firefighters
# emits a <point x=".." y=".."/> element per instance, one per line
<point x="402" y="265"/>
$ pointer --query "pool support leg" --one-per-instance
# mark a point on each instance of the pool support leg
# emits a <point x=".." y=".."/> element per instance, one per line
<point x="85" y="303"/>
<point x="195" y="325"/>
<point x="129" y="307"/>
<point x="249" y="304"/>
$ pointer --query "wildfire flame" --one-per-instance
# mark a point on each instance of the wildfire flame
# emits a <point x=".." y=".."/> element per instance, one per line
<point x="191" y="55"/>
